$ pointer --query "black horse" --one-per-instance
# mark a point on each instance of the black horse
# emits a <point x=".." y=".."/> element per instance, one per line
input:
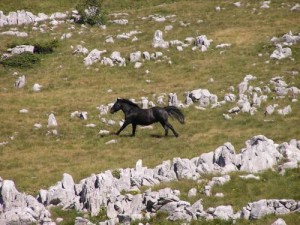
<point x="136" y="116"/>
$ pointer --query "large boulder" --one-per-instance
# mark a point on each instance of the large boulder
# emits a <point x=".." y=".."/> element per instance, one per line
<point x="19" y="208"/>
<point x="260" y="154"/>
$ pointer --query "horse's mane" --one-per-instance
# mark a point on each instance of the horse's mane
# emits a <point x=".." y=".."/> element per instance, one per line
<point x="126" y="101"/>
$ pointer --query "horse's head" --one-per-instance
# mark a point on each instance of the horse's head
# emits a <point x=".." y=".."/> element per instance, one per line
<point x="116" y="107"/>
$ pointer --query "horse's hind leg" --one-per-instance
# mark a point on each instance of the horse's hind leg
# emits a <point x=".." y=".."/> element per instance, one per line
<point x="166" y="125"/>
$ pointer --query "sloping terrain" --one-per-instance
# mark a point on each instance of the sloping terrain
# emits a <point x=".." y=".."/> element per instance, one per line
<point x="35" y="156"/>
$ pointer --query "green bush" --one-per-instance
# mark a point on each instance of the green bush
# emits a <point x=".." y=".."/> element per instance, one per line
<point x="91" y="12"/>
<point x="45" y="47"/>
<point x="24" y="60"/>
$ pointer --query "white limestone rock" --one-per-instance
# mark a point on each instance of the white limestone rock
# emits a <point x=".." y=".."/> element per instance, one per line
<point x="202" y="43"/>
<point x="52" y="121"/>
<point x="22" y="48"/>
<point x="135" y="56"/>
<point x="192" y="192"/>
<point x="117" y="59"/>
<point x="279" y="221"/>
<point x="158" y="41"/>
<point x="37" y="87"/>
<point x="260" y="154"/>
<point x="281" y="53"/>
<point x="285" y="111"/>
<point x="20" y="82"/>
<point x="93" y="57"/>
<point x="80" y="50"/>
<point x="223" y="212"/>
<point x="19" y="208"/>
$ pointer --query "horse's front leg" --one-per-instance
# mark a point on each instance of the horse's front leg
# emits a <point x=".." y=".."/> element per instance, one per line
<point x="125" y="124"/>
<point x="133" y="129"/>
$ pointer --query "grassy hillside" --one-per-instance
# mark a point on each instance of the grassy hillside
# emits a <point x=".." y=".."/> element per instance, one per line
<point x="35" y="160"/>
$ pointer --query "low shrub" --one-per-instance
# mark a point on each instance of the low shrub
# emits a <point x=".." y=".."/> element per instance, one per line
<point x="91" y="12"/>
<point x="45" y="47"/>
<point x="24" y="60"/>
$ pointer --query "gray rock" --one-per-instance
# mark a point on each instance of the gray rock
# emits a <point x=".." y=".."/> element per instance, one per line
<point x="285" y="111"/>
<point x="260" y="209"/>
<point x="135" y="56"/>
<point x="19" y="208"/>
<point x="224" y="156"/>
<point x="270" y="109"/>
<point x="80" y="50"/>
<point x="290" y="152"/>
<point x="205" y="163"/>
<point x="202" y="43"/>
<point x="22" y="48"/>
<point x="184" y="168"/>
<point x="223" y="212"/>
<point x="192" y="192"/>
<point x="37" y="87"/>
<point x="82" y="221"/>
<point x="281" y="53"/>
<point x="249" y="176"/>
<point x="107" y="62"/>
<point x="93" y="57"/>
<point x="52" y="121"/>
<point x="20" y="82"/>
<point x="260" y="154"/>
<point x="279" y="221"/>
<point x="117" y="59"/>
<point x="68" y="182"/>
<point x="158" y="41"/>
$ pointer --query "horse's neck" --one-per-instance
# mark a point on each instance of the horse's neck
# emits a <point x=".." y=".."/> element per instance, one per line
<point x="129" y="109"/>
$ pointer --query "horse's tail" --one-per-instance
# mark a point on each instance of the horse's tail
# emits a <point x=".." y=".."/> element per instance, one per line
<point x="175" y="113"/>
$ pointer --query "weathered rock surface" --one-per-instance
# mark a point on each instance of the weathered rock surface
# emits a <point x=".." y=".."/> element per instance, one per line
<point x="19" y="208"/>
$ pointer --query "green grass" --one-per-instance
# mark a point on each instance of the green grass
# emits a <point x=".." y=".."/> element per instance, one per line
<point x="35" y="160"/>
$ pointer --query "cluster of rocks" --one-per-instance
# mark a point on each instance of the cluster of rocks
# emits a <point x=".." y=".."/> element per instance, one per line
<point x="19" y="208"/>
<point x="104" y="190"/>
<point x="282" y="52"/>
<point x="201" y="42"/>
<point x="115" y="58"/>
<point x="22" y="17"/>
<point x="261" y="208"/>
<point x="250" y="98"/>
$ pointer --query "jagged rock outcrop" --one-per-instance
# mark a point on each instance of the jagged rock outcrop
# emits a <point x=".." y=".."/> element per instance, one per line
<point x="19" y="208"/>
<point x="104" y="189"/>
